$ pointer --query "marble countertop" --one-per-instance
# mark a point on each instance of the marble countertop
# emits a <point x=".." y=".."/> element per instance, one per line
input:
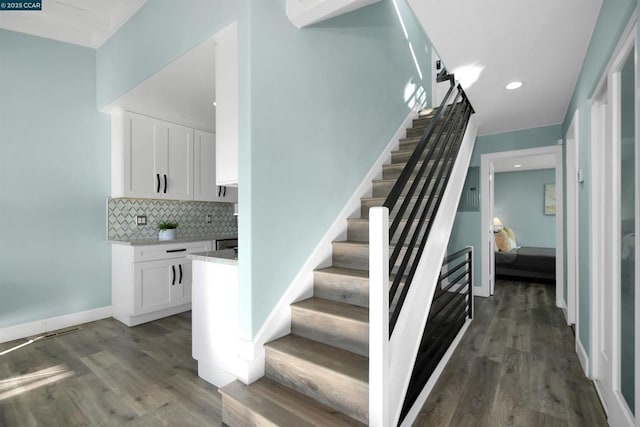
<point x="224" y="256"/>
<point x="155" y="241"/>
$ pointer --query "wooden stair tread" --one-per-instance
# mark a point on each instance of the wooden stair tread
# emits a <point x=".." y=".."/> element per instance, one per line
<point x="343" y="271"/>
<point x="334" y="308"/>
<point x="344" y="362"/>
<point x="283" y="406"/>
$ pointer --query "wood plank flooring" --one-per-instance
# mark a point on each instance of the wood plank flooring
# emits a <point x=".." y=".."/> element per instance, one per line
<point x="107" y="374"/>
<point x="515" y="366"/>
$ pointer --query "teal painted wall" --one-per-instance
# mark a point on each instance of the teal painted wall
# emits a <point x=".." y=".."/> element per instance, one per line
<point x="519" y="203"/>
<point x="325" y="102"/>
<point x="159" y="33"/>
<point x="613" y="19"/>
<point x="466" y="228"/>
<point x="54" y="166"/>
<point x="317" y="106"/>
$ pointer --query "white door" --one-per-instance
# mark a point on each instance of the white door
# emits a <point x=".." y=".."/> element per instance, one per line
<point x="571" y="180"/>
<point x="492" y="240"/>
<point x="615" y="146"/>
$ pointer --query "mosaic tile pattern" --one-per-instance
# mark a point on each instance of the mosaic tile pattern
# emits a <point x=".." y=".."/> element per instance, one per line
<point x="190" y="216"/>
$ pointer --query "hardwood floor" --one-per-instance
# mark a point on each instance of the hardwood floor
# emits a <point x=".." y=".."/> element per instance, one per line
<point x="107" y="374"/>
<point x="515" y="366"/>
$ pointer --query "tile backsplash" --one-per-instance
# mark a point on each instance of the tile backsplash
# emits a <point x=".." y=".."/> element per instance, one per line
<point x="190" y="216"/>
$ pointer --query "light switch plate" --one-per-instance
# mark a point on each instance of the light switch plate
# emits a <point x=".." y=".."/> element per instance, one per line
<point x="141" y="220"/>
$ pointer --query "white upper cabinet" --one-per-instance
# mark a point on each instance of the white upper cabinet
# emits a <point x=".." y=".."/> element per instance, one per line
<point x="157" y="159"/>
<point x="227" y="107"/>
<point x="204" y="171"/>
<point x="179" y="162"/>
<point x="138" y="160"/>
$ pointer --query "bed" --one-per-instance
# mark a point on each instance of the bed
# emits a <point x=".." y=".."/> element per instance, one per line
<point x="527" y="263"/>
<point x="522" y="263"/>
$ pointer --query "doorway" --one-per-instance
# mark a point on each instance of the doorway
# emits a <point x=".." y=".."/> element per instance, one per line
<point x="615" y="219"/>
<point x="535" y="158"/>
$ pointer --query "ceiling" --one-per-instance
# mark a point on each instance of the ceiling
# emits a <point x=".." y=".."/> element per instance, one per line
<point x="182" y="92"/>
<point x="82" y="22"/>
<point x="539" y="42"/>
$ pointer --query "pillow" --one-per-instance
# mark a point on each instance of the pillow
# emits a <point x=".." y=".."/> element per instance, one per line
<point x="505" y="240"/>
<point x="512" y="239"/>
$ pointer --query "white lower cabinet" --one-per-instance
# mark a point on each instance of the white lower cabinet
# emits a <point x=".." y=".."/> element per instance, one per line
<point x="152" y="281"/>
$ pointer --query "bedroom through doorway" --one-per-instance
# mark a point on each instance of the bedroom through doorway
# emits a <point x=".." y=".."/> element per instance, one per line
<point x="522" y="218"/>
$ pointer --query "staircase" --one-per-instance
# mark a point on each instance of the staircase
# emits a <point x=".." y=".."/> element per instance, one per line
<point x="318" y="374"/>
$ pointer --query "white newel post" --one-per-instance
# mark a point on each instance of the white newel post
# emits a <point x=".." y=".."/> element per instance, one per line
<point x="379" y="414"/>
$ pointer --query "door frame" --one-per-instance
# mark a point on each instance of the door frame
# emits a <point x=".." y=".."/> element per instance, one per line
<point x="486" y="215"/>
<point x="602" y="174"/>
<point x="572" y="243"/>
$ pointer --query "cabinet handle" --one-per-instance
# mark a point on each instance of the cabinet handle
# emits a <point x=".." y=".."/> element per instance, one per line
<point x="175" y="250"/>
<point x="225" y="192"/>
<point x="173" y="275"/>
<point x="180" y="267"/>
<point x="219" y="190"/>
<point x="165" y="183"/>
<point x="158" y="180"/>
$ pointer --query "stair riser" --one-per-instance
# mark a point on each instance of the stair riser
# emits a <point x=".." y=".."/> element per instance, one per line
<point x="357" y="257"/>
<point x="347" y="334"/>
<point x="342" y="393"/>
<point x="393" y="171"/>
<point x="382" y="189"/>
<point x="404" y="156"/>
<point x="359" y="231"/>
<point x="347" y="289"/>
<point x="368" y="204"/>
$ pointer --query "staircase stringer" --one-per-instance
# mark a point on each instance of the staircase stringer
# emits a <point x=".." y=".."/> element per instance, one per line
<point x="405" y="340"/>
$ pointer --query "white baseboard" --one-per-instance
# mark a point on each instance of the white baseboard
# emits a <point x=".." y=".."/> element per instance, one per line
<point x="38" y="327"/>
<point x="426" y="391"/>
<point x="278" y="323"/>
<point x="582" y="357"/>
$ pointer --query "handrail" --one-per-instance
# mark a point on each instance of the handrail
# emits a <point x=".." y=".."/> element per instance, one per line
<point x="437" y="152"/>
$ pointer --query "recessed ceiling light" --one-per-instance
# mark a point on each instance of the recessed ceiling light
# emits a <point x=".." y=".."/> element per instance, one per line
<point x="517" y="166"/>
<point x="214" y="103"/>
<point x="513" y="85"/>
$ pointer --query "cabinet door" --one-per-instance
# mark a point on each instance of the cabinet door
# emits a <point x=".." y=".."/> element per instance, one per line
<point x="184" y="282"/>
<point x="154" y="285"/>
<point x="227" y="109"/>
<point x="139" y="166"/>
<point x="204" y="166"/>
<point x="229" y="194"/>
<point x="174" y="160"/>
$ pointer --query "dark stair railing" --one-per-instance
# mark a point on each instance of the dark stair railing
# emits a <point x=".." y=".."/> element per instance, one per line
<point x="452" y="305"/>
<point x="437" y="149"/>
